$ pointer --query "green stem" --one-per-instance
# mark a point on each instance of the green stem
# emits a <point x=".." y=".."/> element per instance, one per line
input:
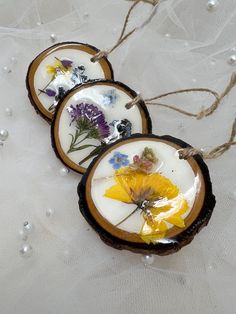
<point x="127" y="217"/>
<point x="74" y="139"/>
<point x="75" y="149"/>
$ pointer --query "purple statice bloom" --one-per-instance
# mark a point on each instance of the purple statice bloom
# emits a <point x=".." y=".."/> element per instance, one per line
<point x="66" y="63"/>
<point x="92" y="114"/>
<point x="50" y="92"/>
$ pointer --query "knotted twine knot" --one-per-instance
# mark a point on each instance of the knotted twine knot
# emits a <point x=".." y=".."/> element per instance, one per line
<point x="99" y="55"/>
<point x="104" y="53"/>
<point x="134" y="101"/>
<point x="188" y="152"/>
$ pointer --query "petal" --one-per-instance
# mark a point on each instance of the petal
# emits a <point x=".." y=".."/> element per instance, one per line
<point x="112" y="160"/>
<point x="116" y="192"/>
<point x="125" y="162"/>
<point x="117" y="165"/>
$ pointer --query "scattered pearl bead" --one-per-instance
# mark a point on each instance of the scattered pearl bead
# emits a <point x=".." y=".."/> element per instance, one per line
<point x="147" y="259"/>
<point x="26" y="250"/>
<point x="194" y="80"/>
<point x="23" y="235"/>
<point x="212" y="5"/>
<point x="13" y="60"/>
<point x="53" y="38"/>
<point x="64" y="171"/>
<point x="232" y="60"/>
<point x="50" y="212"/>
<point x="8" y="111"/>
<point x="3" y="135"/>
<point x="213" y="62"/>
<point x="28" y="227"/>
<point x="38" y="23"/>
<point x="212" y="266"/>
<point x="6" y="69"/>
<point x="167" y="35"/>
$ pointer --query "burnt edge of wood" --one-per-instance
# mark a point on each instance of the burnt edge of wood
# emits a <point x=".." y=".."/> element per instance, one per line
<point x="93" y="82"/>
<point x="27" y="79"/>
<point x="179" y="241"/>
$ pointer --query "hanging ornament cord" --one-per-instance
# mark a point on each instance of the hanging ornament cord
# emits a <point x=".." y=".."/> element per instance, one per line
<point x="189" y="152"/>
<point x="123" y="36"/>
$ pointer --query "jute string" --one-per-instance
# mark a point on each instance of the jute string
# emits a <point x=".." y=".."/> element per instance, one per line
<point x="203" y="113"/>
<point x="213" y="153"/>
<point x="189" y="152"/>
<point x="123" y="37"/>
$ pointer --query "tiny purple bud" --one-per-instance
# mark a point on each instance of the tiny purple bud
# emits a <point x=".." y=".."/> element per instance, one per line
<point x="66" y="63"/>
<point x="50" y="92"/>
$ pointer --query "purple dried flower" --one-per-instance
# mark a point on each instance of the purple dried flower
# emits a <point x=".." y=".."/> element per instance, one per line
<point x="92" y="115"/>
<point x="50" y="92"/>
<point x="66" y="63"/>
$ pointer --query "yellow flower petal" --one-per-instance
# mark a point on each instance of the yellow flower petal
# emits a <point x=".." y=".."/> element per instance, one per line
<point x="116" y="192"/>
<point x="133" y="186"/>
<point x="51" y="69"/>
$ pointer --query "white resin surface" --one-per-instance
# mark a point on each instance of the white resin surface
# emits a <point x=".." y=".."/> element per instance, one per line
<point x="169" y="165"/>
<point x="41" y="78"/>
<point x="94" y="95"/>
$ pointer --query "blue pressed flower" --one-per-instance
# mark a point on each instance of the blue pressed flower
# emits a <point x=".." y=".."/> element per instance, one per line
<point x="119" y="160"/>
<point x="110" y="97"/>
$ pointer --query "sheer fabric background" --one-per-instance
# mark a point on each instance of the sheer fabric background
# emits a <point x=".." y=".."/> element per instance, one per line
<point x="71" y="270"/>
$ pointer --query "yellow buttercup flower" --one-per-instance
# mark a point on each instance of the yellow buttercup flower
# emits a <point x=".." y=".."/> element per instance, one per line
<point x="164" y="202"/>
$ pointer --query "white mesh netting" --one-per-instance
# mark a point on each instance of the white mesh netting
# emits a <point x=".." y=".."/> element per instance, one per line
<point x="71" y="270"/>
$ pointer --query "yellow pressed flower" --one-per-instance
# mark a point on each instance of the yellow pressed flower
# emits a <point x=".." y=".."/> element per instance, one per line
<point x="165" y="203"/>
<point x="52" y="69"/>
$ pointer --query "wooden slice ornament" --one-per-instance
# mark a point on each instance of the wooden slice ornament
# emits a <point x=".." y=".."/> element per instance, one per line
<point x="58" y="69"/>
<point x="140" y="196"/>
<point x="92" y="116"/>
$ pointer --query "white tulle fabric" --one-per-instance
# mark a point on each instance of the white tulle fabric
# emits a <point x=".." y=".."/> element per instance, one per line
<point x="71" y="270"/>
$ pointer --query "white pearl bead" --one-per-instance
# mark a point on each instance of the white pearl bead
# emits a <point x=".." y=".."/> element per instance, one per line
<point x="3" y="135"/>
<point x="147" y="259"/>
<point x="8" y="111"/>
<point x="13" y="60"/>
<point x="50" y="212"/>
<point x="232" y="60"/>
<point x="194" y="80"/>
<point x="26" y="250"/>
<point x="64" y="171"/>
<point x="28" y="227"/>
<point x="23" y="236"/>
<point x="53" y="38"/>
<point x="212" y="266"/>
<point x="6" y="69"/>
<point x="212" y="5"/>
<point x="167" y="35"/>
<point x="233" y="49"/>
